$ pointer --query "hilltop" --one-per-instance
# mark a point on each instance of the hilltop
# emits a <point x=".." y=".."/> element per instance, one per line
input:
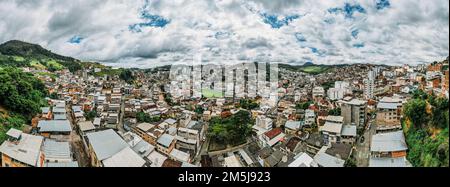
<point x="22" y="54"/>
<point x="24" y="49"/>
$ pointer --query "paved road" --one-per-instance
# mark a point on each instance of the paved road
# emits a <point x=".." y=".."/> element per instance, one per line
<point x="203" y="151"/>
<point x="76" y="142"/>
<point x="120" y="127"/>
<point x="363" y="149"/>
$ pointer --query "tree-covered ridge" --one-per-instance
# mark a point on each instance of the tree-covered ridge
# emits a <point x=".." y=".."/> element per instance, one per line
<point x="24" y="49"/>
<point x="426" y="127"/>
<point x="21" y="54"/>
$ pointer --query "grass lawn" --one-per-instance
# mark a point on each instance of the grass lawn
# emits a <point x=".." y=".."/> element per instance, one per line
<point x="36" y="64"/>
<point x="55" y="64"/>
<point x="314" y="69"/>
<point x="47" y="74"/>
<point x="211" y="93"/>
<point x="18" y="58"/>
<point x="108" y="71"/>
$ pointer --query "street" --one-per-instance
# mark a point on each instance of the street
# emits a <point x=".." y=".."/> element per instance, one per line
<point x="363" y="149"/>
<point x="75" y="140"/>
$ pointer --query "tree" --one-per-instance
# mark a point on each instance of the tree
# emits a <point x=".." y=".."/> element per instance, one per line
<point x="415" y="110"/>
<point x="90" y="115"/>
<point x="199" y="110"/>
<point x="233" y="130"/>
<point x="419" y="94"/>
<point x="439" y="115"/>
<point x="335" y="112"/>
<point x="248" y="104"/>
<point x="21" y="92"/>
<point x="127" y="76"/>
<point x="304" y="105"/>
<point x="143" y="117"/>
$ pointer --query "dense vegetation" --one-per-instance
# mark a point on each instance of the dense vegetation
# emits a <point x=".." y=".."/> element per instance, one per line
<point x="127" y="76"/>
<point x="304" y="105"/>
<point x="335" y="112"/>
<point x="90" y="115"/>
<point x="248" y="104"/>
<point x="21" y="96"/>
<point x="426" y="128"/>
<point x="143" y="117"/>
<point x="233" y="130"/>
<point x="21" y="54"/>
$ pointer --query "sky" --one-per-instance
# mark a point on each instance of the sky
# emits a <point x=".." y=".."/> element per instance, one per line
<point x="148" y="33"/>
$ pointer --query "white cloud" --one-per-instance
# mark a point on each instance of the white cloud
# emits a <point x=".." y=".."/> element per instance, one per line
<point x="406" y="32"/>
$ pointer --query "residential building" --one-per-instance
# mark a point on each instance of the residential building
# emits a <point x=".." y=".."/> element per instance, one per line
<point x="331" y="130"/>
<point x="354" y="112"/>
<point x="388" y="148"/>
<point x="292" y="127"/>
<point x="389" y="111"/>
<point x="165" y="143"/>
<point x="21" y="150"/>
<point x="272" y="137"/>
<point x="310" y="118"/>
<point x="324" y="159"/>
<point x="317" y="92"/>
<point x="107" y="149"/>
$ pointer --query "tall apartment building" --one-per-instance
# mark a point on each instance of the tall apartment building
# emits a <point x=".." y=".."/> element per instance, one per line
<point x="338" y="92"/>
<point x="354" y="112"/>
<point x="369" y="85"/>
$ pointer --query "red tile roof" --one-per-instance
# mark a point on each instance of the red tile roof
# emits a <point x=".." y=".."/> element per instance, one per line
<point x="273" y="133"/>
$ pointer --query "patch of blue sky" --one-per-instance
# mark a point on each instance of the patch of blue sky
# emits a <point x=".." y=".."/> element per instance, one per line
<point x="300" y="37"/>
<point x="76" y="39"/>
<point x="318" y="52"/>
<point x="275" y="22"/>
<point x="382" y="4"/>
<point x="329" y="20"/>
<point x="348" y="10"/>
<point x="149" y="20"/>
<point x="222" y="35"/>
<point x="358" y="45"/>
<point x="355" y="33"/>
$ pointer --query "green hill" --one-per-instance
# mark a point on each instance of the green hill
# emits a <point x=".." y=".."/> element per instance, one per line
<point x="21" y="54"/>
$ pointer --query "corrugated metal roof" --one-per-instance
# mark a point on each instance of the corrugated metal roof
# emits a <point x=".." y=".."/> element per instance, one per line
<point x="72" y="164"/>
<point x="106" y="143"/>
<point x="389" y="162"/>
<point x="303" y="160"/>
<point x="60" y="117"/>
<point x="331" y="127"/>
<point x="326" y="160"/>
<point x="348" y="130"/>
<point x="59" y="110"/>
<point x="14" y="133"/>
<point x="45" y="109"/>
<point x="388" y="105"/>
<point x="86" y="125"/>
<point x="56" y="150"/>
<point x="295" y="125"/>
<point x="388" y="142"/>
<point x="26" y="150"/>
<point x="165" y="140"/>
<point x="124" y="158"/>
<point x="179" y="155"/>
<point x="54" y="126"/>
